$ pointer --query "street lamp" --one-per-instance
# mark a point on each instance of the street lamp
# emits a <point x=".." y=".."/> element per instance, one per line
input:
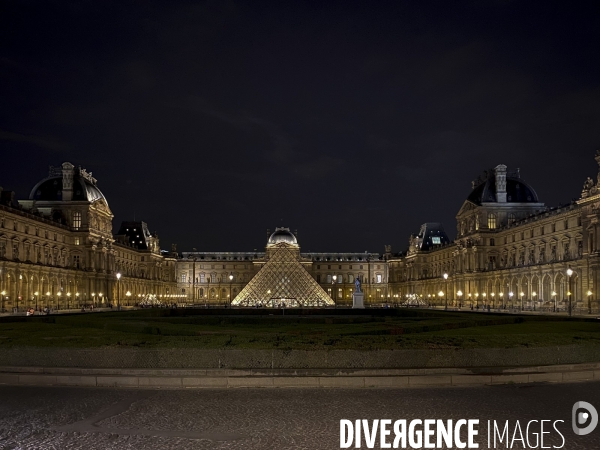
<point x="36" y="293"/>
<point x="510" y="296"/>
<point x="493" y="294"/>
<point x="459" y="294"/>
<point x="119" y="291"/>
<point x="589" y="294"/>
<point x="501" y="294"/>
<point x="522" y="294"/>
<point x="3" y="294"/>
<point x="48" y="299"/>
<point x="128" y="294"/>
<point x="58" y="294"/>
<point x="230" y="280"/>
<point x="533" y="295"/>
<point x="68" y="300"/>
<point x="570" y="293"/>
<point x="333" y="280"/>
<point x="477" y="299"/>
<point x="554" y="295"/>
<point x="446" y="288"/>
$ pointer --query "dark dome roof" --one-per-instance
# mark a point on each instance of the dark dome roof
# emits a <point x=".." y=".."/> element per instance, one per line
<point x="282" y="235"/>
<point x="50" y="189"/>
<point x="517" y="191"/>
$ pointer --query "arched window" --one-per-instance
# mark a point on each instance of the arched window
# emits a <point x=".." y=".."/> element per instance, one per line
<point x="492" y="221"/>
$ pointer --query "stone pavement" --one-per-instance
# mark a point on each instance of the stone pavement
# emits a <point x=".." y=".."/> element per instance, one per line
<point x="94" y="418"/>
<point x="304" y="378"/>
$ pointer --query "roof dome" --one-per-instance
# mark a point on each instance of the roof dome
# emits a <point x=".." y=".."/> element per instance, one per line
<point x="282" y="235"/>
<point x="517" y="191"/>
<point x="51" y="188"/>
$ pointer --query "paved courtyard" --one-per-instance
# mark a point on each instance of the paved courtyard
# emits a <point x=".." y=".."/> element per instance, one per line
<point x="103" y="418"/>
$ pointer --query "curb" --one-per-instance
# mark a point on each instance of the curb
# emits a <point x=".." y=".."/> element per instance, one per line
<point x="307" y="378"/>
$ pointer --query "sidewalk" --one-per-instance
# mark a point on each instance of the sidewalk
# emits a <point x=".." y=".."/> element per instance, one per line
<point x="307" y="378"/>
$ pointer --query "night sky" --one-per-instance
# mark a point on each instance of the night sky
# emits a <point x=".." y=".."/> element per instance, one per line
<point x="353" y="122"/>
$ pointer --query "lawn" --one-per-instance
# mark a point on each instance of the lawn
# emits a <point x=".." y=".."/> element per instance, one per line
<point x="400" y="330"/>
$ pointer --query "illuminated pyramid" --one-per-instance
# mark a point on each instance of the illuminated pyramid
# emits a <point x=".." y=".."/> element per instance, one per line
<point x="283" y="280"/>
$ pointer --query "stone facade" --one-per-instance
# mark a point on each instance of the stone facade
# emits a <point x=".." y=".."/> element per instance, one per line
<point x="511" y="250"/>
<point x="57" y="249"/>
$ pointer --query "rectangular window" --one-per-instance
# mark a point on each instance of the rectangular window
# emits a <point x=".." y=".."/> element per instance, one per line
<point x="76" y="241"/>
<point x="379" y="278"/>
<point x="202" y="278"/>
<point x="76" y="262"/>
<point x="492" y="221"/>
<point x="77" y="220"/>
<point x="183" y="277"/>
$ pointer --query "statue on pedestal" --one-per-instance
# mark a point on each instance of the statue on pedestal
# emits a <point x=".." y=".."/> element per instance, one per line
<point x="357" y="285"/>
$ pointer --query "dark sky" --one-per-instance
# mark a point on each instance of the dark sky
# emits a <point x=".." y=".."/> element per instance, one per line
<point x="353" y="122"/>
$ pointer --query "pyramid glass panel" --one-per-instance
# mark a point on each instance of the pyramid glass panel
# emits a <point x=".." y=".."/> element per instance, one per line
<point x="282" y="281"/>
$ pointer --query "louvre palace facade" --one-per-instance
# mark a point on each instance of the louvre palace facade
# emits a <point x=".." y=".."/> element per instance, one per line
<point x="510" y="250"/>
<point x="57" y="249"/>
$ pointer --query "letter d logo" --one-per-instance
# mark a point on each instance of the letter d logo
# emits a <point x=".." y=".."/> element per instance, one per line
<point x="579" y="418"/>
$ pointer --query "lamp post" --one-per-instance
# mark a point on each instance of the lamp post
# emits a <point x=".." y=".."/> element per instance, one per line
<point x="118" y="291"/>
<point x="48" y="299"/>
<point x="533" y="295"/>
<point x="77" y="298"/>
<point x="589" y="295"/>
<point x="3" y="294"/>
<point x="570" y="293"/>
<point x="35" y="294"/>
<point x="484" y="295"/>
<point x="522" y="294"/>
<point x="459" y="295"/>
<point x="510" y="296"/>
<point x="93" y="298"/>
<point x="446" y="288"/>
<point x="477" y="299"/>
<point x="493" y="294"/>
<point x="128" y="295"/>
<point x="68" y="300"/>
<point x="501" y="294"/>
<point x="554" y="296"/>
<point x="230" y="280"/>
<point x="58" y="294"/>
<point x="440" y="295"/>
<point x="333" y="280"/>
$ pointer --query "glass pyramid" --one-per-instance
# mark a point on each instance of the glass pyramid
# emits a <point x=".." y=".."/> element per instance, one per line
<point x="282" y="281"/>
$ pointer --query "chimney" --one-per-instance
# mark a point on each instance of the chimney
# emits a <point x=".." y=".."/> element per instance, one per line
<point x="500" y="172"/>
<point x="67" y="181"/>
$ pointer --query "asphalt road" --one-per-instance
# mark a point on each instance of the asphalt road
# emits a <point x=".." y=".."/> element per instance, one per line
<point x="103" y="418"/>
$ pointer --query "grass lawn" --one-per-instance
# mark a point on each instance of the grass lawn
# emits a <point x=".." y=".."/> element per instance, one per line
<point x="404" y="329"/>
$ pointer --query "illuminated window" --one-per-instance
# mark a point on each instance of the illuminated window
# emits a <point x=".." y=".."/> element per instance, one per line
<point x="76" y="241"/>
<point x="492" y="221"/>
<point x="378" y="278"/>
<point x="77" y="220"/>
<point x="183" y="276"/>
